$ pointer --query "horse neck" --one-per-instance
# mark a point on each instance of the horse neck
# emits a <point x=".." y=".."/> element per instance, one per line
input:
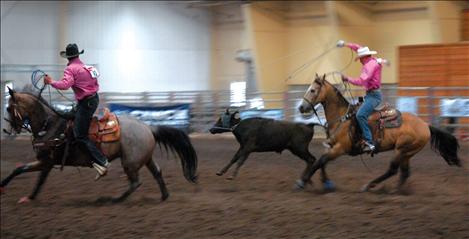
<point x="39" y="113"/>
<point x="335" y="106"/>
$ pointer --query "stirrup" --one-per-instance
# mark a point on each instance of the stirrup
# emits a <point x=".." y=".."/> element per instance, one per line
<point x="368" y="147"/>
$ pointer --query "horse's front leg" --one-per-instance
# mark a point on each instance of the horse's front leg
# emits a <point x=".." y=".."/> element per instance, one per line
<point x="40" y="181"/>
<point x="306" y="178"/>
<point x="29" y="167"/>
<point x="335" y="152"/>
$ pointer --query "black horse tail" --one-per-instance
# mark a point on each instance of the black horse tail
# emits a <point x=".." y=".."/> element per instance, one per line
<point x="446" y="145"/>
<point x="178" y="141"/>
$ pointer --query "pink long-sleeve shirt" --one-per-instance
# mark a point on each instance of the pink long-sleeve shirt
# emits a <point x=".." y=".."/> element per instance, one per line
<point x="370" y="76"/>
<point x="79" y="78"/>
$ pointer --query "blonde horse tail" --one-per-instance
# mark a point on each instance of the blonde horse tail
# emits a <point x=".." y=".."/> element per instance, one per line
<point x="178" y="141"/>
<point x="446" y="145"/>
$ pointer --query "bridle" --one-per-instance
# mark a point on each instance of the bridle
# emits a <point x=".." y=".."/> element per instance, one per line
<point x="226" y="122"/>
<point x="314" y="100"/>
<point x="13" y="122"/>
<point x="340" y="119"/>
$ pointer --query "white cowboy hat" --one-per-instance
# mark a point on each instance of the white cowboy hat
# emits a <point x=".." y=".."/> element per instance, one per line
<point x="364" y="51"/>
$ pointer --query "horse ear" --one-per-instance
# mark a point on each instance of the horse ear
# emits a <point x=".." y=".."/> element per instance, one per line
<point x="324" y="77"/>
<point x="11" y="92"/>
<point x="236" y="115"/>
<point x="227" y="111"/>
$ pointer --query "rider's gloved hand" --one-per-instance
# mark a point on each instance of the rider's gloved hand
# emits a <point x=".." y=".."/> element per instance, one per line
<point x="344" y="78"/>
<point x="340" y="43"/>
<point x="47" y="79"/>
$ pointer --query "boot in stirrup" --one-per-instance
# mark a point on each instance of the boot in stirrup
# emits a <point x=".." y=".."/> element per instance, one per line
<point x="368" y="147"/>
<point x="102" y="170"/>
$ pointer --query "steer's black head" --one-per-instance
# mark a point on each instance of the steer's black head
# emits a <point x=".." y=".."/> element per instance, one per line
<point x="226" y="122"/>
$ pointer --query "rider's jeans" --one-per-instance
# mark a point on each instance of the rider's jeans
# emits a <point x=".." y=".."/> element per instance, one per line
<point x="372" y="99"/>
<point x="81" y="125"/>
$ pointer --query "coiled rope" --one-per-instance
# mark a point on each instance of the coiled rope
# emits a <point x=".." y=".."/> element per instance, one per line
<point x="38" y="76"/>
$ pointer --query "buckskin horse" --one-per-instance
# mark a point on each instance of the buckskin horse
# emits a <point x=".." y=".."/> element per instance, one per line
<point x="406" y="140"/>
<point x="134" y="148"/>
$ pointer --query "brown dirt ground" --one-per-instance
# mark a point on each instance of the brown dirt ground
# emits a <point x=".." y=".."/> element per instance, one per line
<point x="261" y="203"/>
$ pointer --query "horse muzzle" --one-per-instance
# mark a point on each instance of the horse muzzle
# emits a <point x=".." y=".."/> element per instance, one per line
<point x="305" y="107"/>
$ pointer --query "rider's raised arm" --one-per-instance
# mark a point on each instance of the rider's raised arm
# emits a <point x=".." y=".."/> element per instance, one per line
<point x="353" y="46"/>
<point x="66" y="81"/>
<point x="367" y="72"/>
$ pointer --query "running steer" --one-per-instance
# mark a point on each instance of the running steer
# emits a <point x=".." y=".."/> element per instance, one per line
<point x="265" y="135"/>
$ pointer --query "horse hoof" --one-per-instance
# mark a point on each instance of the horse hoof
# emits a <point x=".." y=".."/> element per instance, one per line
<point x="164" y="196"/>
<point x="24" y="200"/>
<point x="329" y="186"/>
<point x="365" y="188"/>
<point x="219" y="173"/>
<point x="230" y="178"/>
<point x="299" y="184"/>
<point x="104" y="199"/>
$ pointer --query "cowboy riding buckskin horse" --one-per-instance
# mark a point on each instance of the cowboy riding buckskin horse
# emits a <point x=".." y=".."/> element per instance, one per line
<point x="370" y="79"/>
<point x="134" y="146"/>
<point x="409" y="138"/>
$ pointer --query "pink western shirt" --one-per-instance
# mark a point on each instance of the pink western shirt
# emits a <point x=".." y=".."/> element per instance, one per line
<point x="79" y="78"/>
<point x="370" y="76"/>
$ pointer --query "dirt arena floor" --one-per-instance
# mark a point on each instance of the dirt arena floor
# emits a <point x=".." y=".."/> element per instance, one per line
<point x="261" y="203"/>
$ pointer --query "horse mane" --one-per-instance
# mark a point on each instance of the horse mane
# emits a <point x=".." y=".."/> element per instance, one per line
<point x="44" y="102"/>
<point x="339" y="95"/>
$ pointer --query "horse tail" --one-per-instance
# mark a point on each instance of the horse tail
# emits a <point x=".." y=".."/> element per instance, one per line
<point x="178" y="141"/>
<point x="446" y="145"/>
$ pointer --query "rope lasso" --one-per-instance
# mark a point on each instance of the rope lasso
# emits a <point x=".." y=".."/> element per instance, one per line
<point x="308" y="63"/>
<point x="39" y="75"/>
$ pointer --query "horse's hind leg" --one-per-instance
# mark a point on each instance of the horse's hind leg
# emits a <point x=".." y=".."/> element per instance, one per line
<point x="309" y="160"/>
<point x="233" y="160"/>
<point x="390" y="172"/>
<point x="134" y="183"/>
<point x="240" y="163"/>
<point x="156" y="172"/>
<point x="405" y="172"/>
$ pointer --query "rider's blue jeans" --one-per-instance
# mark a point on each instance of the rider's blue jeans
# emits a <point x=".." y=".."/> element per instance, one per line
<point x="83" y="115"/>
<point x="372" y="99"/>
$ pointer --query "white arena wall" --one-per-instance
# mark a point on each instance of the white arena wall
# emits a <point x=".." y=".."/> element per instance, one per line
<point x="138" y="46"/>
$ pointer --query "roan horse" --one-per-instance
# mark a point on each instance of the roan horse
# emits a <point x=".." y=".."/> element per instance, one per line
<point x="265" y="135"/>
<point x="135" y="147"/>
<point x="406" y="140"/>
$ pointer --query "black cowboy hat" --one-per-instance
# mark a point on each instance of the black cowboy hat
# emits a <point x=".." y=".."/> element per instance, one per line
<point x="71" y="51"/>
